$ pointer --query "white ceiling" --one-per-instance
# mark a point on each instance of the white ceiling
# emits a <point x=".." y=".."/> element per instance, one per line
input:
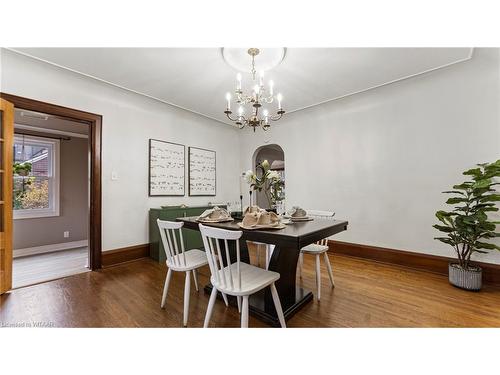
<point x="197" y="79"/>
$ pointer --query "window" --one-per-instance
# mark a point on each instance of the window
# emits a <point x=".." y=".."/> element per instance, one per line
<point x="36" y="177"/>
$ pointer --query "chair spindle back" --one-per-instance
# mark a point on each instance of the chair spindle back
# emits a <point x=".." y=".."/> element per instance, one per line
<point x="213" y="240"/>
<point x="175" y="253"/>
<point x="321" y="215"/>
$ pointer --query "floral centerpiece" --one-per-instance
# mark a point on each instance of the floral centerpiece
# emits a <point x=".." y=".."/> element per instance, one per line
<point x="266" y="180"/>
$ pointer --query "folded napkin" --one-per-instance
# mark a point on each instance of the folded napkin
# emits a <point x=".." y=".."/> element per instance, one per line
<point x="215" y="213"/>
<point x="296" y="211"/>
<point x="256" y="216"/>
<point x="252" y="209"/>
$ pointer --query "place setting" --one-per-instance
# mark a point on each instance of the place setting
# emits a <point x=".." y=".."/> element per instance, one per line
<point x="255" y="217"/>
<point x="296" y="215"/>
<point x="215" y="215"/>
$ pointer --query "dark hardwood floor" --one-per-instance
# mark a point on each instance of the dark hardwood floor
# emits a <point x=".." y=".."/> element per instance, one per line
<point x="367" y="294"/>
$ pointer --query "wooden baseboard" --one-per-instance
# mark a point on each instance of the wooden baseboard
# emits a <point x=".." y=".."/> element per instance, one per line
<point x="430" y="263"/>
<point x="126" y="254"/>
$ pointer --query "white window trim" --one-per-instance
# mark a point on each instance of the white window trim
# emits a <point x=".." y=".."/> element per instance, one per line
<point x="55" y="197"/>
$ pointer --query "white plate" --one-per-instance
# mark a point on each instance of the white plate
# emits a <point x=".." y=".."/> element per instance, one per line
<point x="304" y="218"/>
<point x="214" y="220"/>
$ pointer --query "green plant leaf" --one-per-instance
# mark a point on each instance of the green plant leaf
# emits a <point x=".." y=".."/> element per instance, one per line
<point x="443" y="228"/>
<point x="490" y="209"/>
<point x="491" y="198"/>
<point x="446" y="240"/>
<point x="473" y="172"/>
<point x="485" y="245"/>
<point x="463" y="186"/>
<point x="456" y="200"/>
<point x="454" y="192"/>
<point x="480" y="184"/>
<point x="444" y="217"/>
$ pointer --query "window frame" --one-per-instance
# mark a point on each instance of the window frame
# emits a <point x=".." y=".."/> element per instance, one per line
<point x="54" y="181"/>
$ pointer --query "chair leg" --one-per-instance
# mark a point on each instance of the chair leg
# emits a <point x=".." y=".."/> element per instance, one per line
<point x="224" y="297"/>
<point x="258" y="255"/>
<point x="244" y="313"/>
<point x="210" y="307"/>
<point x="277" y="305"/>
<point x="301" y="264"/>
<point x="187" y="291"/>
<point x="195" y="278"/>
<point x="165" y="288"/>
<point x="318" y="276"/>
<point x="239" y="303"/>
<point x="268" y="255"/>
<point x="329" y="268"/>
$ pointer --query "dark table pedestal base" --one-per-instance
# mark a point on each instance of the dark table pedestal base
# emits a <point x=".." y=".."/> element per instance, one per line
<point x="263" y="310"/>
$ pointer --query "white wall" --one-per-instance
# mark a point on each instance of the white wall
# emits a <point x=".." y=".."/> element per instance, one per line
<point x="381" y="158"/>
<point x="129" y="120"/>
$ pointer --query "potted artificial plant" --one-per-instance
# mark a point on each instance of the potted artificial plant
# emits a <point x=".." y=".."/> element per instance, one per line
<point x="21" y="169"/>
<point x="467" y="226"/>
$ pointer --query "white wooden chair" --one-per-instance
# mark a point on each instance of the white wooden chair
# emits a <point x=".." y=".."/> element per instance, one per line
<point x="319" y="248"/>
<point x="180" y="260"/>
<point x="237" y="279"/>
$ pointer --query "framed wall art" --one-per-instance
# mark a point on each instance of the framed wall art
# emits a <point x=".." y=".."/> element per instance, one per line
<point x="166" y="168"/>
<point x="202" y="172"/>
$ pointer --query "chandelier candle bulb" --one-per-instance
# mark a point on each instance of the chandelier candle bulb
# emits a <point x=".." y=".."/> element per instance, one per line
<point x="228" y="98"/>
<point x="271" y="86"/>
<point x="238" y="82"/>
<point x="261" y="78"/>
<point x="279" y="97"/>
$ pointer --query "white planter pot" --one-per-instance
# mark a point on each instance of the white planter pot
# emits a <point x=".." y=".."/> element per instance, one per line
<point x="470" y="279"/>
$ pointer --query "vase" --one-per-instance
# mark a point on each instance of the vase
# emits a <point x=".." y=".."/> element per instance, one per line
<point x="468" y="279"/>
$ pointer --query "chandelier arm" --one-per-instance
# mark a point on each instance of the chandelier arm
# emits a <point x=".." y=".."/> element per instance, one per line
<point x="228" y="114"/>
<point x="276" y="118"/>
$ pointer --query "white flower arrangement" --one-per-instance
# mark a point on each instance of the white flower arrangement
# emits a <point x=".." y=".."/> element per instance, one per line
<point x="270" y="182"/>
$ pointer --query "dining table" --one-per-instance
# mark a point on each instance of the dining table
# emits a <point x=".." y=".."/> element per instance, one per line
<point x="287" y="244"/>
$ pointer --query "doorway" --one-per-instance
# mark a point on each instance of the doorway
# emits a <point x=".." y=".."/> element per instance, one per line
<point x="93" y="142"/>
<point x="50" y="197"/>
<point x="275" y="155"/>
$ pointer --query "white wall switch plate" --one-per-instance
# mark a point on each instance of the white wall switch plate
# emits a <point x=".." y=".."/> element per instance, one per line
<point x="114" y="175"/>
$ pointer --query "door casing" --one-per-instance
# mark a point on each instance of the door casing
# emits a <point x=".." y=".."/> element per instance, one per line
<point x="95" y="146"/>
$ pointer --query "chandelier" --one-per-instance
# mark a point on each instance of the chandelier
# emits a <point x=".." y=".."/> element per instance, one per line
<point x="258" y="97"/>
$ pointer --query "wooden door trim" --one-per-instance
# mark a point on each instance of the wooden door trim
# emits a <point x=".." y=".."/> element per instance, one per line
<point x="95" y="146"/>
<point x="6" y="235"/>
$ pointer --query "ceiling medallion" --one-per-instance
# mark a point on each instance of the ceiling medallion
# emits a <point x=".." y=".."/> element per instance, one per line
<point x="258" y="97"/>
